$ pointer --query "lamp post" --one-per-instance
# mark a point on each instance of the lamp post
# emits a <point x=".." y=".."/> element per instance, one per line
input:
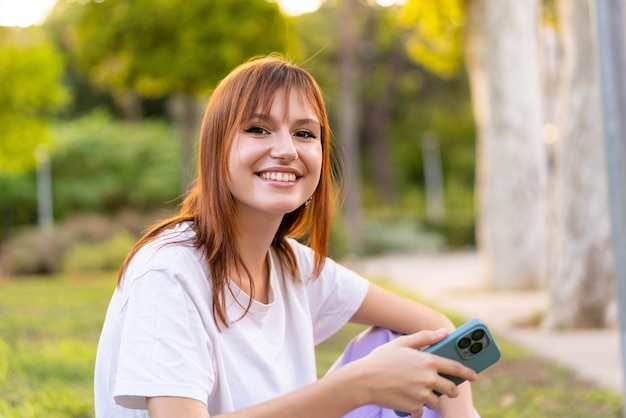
<point x="608" y="20"/>
<point x="44" y="188"/>
<point x="433" y="177"/>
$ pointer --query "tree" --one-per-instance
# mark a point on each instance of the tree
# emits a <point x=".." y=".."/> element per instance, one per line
<point x="361" y="87"/>
<point x="512" y="176"/>
<point x="384" y="60"/>
<point x="512" y="173"/>
<point x="348" y="122"/>
<point x="171" y="47"/>
<point x="583" y="283"/>
<point x="31" y="91"/>
<point x="435" y="36"/>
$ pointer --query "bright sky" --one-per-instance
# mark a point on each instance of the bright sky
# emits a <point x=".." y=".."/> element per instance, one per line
<point x="33" y="12"/>
<point x="297" y="7"/>
<point x="24" y="12"/>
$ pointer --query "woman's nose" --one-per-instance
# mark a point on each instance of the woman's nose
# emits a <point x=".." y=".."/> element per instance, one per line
<point x="283" y="147"/>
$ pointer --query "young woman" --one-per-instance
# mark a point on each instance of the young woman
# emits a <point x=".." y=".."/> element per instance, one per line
<point x="217" y="310"/>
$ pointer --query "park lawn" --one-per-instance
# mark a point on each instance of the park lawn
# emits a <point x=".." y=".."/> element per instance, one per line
<point x="49" y="329"/>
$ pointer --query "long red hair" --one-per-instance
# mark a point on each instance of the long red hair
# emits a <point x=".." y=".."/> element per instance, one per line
<point x="210" y="206"/>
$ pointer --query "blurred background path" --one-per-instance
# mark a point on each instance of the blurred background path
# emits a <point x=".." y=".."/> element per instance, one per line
<point x="453" y="282"/>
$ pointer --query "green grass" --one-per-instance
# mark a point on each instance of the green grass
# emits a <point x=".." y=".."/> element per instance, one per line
<point x="49" y="329"/>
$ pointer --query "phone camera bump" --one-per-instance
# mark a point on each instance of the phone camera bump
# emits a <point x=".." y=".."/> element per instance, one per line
<point x="478" y="335"/>
<point x="475" y="348"/>
<point x="473" y="343"/>
<point x="464" y="343"/>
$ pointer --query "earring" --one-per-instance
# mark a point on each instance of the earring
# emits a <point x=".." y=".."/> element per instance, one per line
<point x="308" y="202"/>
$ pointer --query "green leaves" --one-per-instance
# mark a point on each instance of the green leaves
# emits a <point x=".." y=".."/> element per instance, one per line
<point x="30" y="77"/>
<point x="104" y="165"/>
<point x="161" y="46"/>
<point x="21" y="133"/>
<point x="435" y="34"/>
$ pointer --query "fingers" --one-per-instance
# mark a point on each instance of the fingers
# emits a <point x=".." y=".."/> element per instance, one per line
<point x="409" y="378"/>
<point x="454" y="368"/>
<point x="421" y="339"/>
<point x="417" y="414"/>
<point x="443" y="365"/>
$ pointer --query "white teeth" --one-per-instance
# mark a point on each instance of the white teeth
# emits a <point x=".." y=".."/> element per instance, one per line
<point x="283" y="177"/>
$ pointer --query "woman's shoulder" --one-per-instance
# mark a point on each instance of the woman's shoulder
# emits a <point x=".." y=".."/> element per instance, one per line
<point x="299" y="248"/>
<point x="173" y="250"/>
<point x="305" y="257"/>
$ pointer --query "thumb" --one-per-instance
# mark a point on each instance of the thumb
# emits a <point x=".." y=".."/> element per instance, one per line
<point x="422" y="339"/>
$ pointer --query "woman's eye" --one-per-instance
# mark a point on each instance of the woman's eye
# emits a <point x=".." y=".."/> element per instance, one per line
<point x="256" y="130"/>
<point x="305" y="134"/>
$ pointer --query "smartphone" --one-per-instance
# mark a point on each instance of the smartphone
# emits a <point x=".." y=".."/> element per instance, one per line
<point x="471" y="344"/>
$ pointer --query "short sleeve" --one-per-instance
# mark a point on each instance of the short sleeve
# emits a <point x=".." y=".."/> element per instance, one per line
<point x="164" y="348"/>
<point x="334" y="296"/>
<point x="339" y="293"/>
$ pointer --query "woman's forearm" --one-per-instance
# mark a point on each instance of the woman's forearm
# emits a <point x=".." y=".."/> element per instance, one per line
<point x="386" y="309"/>
<point x="461" y="406"/>
<point x="332" y="396"/>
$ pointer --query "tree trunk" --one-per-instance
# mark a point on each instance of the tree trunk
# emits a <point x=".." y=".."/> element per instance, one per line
<point x="186" y="113"/>
<point x="583" y="285"/>
<point x="378" y="106"/>
<point x="129" y="103"/>
<point x="512" y="175"/>
<point x="347" y="122"/>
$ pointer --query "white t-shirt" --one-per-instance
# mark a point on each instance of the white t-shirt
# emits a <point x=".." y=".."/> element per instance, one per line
<point x="159" y="337"/>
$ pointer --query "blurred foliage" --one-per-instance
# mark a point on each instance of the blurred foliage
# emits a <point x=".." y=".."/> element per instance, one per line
<point x="88" y="242"/>
<point x="106" y="255"/>
<point x="422" y="102"/>
<point x="30" y="77"/>
<point x="99" y="165"/>
<point x="31" y="252"/>
<point x="549" y="12"/>
<point x="104" y="165"/>
<point x="435" y="32"/>
<point x="157" y="47"/>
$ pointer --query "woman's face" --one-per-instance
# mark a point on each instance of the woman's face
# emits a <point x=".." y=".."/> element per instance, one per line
<point x="275" y="161"/>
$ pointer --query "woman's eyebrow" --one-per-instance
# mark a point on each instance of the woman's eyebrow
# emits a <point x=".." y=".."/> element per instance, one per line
<point x="308" y="121"/>
<point x="303" y="121"/>
<point x="260" y="116"/>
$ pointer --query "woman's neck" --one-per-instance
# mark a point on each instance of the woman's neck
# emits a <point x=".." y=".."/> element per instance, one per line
<point x="254" y="239"/>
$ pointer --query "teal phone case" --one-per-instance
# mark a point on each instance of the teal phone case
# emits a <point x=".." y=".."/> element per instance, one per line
<point x="471" y="344"/>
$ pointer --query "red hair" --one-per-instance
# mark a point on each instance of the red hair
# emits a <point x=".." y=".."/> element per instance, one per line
<point x="211" y="207"/>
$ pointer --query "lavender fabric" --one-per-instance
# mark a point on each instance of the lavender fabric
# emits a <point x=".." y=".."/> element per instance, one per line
<point x="359" y="347"/>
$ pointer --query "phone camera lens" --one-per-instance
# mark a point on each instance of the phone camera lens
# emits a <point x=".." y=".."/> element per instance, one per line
<point x="478" y="334"/>
<point x="475" y="348"/>
<point x="464" y="343"/>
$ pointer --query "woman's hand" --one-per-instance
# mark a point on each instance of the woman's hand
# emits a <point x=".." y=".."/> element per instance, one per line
<point x="399" y="376"/>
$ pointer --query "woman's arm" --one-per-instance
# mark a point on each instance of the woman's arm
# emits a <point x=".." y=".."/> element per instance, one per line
<point x="386" y="309"/>
<point x="396" y="375"/>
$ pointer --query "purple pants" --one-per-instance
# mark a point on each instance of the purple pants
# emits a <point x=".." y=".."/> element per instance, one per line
<point x="359" y="347"/>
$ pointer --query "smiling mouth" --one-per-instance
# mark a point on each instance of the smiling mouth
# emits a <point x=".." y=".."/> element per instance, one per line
<point x="278" y="176"/>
